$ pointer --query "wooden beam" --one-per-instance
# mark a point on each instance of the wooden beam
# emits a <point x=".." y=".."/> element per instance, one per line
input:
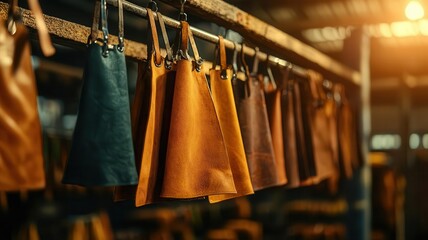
<point x="68" y="33"/>
<point x="76" y="35"/>
<point x="356" y="21"/>
<point x="73" y="34"/>
<point x="264" y="34"/>
<point x="391" y="11"/>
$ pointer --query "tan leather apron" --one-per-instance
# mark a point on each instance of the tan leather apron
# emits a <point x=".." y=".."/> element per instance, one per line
<point x="154" y="138"/>
<point x="197" y="163"/>
<point x="222" y="93"/>
<point x="149" y="117"/>
<point x="21" y="157"/>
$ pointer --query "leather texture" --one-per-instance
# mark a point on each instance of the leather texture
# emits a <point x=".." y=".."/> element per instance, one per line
<point x="303" y="102"/>
<point x="349" y="155"/>
<point x="102" y="153"/>
<point x="253" y="119"/>
<point x="197" y="163"/>
<point x="21" y="157"/>
<point x="318" y="113"/>
<point x="150" y="117"/>
<point x="179" y="145"/>
<point x="154" y="140"/>
<point x="275" y="115"/>
<point x="291" y="144"/>
<point x="222" y="94"/>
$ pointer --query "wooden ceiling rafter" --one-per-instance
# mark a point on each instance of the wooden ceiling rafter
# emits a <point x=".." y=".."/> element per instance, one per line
<point x="264" y="34"/>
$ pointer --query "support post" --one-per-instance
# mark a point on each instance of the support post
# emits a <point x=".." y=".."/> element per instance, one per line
<point x="358" y="189"/>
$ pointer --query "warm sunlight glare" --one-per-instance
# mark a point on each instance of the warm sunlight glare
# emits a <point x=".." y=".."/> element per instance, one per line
<point x="414" y="10"/>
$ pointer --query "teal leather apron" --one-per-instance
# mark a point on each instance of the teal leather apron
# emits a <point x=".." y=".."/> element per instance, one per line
<point x="102" y="151"/>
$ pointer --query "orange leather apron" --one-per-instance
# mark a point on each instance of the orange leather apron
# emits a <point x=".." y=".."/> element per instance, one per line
<point x="222" y="93"/>
<point x="21" y="157"/>
<point x="197" y="163"/>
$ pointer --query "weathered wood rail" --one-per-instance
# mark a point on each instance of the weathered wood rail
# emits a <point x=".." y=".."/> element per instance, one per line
<point x="264" y="34"/>
<point x="69" y="33"/>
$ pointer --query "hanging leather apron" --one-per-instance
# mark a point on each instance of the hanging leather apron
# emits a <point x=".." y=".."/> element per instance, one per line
<point x="256" y="135"/>
<point x="21" y="157"/>
<point x="222" y="94"/>
<point x="275" y="116"/>
<point x="291" y="142"/>
<point x="303" y="101"/>
<point x="197" y="163"/>
<point x="331" y="110"/>
<point x="152" y="163"/>
<point x="332" y="115"/>
<point x="348" y="147"/>
<point x="102" y="152"/>
<point x="316" y="109"/>
<point x="151" y="118"/>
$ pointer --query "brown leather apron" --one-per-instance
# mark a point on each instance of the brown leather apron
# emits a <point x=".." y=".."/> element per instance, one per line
<point x="275" y="116"/>
<point x="291" y="143"/>
<point x="221" y="88"/>
<point x="150" y="119"/>
<point x="303" y="130"/>
<point x="154" y="138"/>
<point x="197" y="163"/>
<point x="348" y="147"/>
<point x="317" y="112"/>
<point x="21" y="157"/>
<point x="256" y="134"/>
<point x="332" y="113"/>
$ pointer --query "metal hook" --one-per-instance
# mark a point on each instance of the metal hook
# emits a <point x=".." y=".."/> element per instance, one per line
<point x="182" y="4"/>
<point x="153" y="6"/>
<point x="235" y="59"/>
<point x="328" y="87"/>
<point x="270" y="79"/>
<point x="12" y="17"/>
<point x="290" y="76"/>
<point x="244" y="65"/>
<point x="255" y="68"/>
<point x="183" y="15"/>
<point x="289" y="69"/>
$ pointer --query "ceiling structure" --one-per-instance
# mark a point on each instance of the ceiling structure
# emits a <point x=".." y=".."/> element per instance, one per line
<point x="399" y="46"/>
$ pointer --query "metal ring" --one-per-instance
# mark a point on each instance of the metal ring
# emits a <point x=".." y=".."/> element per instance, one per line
<point x="153" y="6"/>
<point x="105" y="50"/>
<point x="158" y="65"/>
<point x="121" y="46"/>
<point x="168" y="64"/>
<point x="223" y="74"/>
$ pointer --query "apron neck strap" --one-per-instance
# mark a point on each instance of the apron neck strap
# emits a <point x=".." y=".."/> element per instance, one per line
<point x="154" y="37"/>
<point x="43" y="33"/>
<point x="101" y="11"/>
<point x="223" y="64"/>
<point x="169" y="55"/>
<point x="186" y="36"/>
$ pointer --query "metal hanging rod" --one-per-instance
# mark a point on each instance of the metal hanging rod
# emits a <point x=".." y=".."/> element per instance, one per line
<point x="141" y="11"/>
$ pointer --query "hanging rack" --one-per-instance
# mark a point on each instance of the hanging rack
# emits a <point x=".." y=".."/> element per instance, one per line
<point x="133" y="8"/>
<point x="77" y="33"/>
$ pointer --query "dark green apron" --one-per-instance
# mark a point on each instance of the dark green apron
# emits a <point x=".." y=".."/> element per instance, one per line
<point x="102" y="151"/>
